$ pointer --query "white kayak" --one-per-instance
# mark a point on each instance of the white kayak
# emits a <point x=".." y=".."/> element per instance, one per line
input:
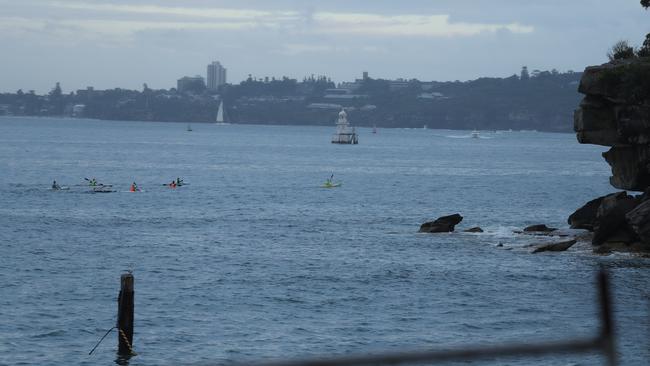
<point x="102" y="189"/>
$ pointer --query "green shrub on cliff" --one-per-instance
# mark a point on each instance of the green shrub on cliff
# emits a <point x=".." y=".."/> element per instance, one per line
<point x="645" y="3"/>
<point x="620" y="50"/>
<point x="629" y="82"/>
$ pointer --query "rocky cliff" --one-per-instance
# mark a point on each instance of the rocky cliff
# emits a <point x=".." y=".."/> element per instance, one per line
<point x="616" y="112"/>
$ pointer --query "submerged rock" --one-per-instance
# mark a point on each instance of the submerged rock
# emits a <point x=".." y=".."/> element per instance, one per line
<point x="635" y="247"/>
<point x="442" y="224"/>
<point x="558" y="246"/>
<point x="474" y="229"/>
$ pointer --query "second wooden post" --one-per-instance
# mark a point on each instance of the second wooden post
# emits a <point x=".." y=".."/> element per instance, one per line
<point x="125" y="306"/>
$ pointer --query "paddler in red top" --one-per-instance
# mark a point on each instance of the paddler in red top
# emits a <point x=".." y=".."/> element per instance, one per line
<point x="134" y="187"/>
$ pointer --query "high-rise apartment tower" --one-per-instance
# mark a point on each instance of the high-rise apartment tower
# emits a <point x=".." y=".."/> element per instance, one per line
<point x="216" y="75"/>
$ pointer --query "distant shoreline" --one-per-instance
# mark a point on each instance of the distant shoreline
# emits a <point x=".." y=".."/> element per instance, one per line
<point x="276" y="124"/>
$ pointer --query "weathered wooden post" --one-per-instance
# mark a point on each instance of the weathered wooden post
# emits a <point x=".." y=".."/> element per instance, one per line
<point x="125" y="305"/>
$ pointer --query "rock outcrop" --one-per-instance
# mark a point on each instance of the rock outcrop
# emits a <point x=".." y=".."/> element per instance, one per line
<point x="615" y="112"/>
<point x="442" y="224"/>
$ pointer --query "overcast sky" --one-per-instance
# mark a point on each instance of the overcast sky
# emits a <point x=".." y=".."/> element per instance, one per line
<point x="116" y="43"/>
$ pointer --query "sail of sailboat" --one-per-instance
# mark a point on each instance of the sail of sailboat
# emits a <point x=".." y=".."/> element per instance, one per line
<point x="220" y="120"/>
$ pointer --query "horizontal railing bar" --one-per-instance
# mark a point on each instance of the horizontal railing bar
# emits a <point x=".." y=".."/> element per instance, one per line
<point x="604" y="344"/>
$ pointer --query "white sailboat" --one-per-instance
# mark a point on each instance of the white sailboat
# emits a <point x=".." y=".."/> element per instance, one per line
<point x="220" y="120"/>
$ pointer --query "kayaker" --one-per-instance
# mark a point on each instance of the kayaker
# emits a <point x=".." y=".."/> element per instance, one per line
<point x="179" y="181"/>
<point x="134" y="187"/>
<point x="172" y="184"/>
<point x="93" y="182"/>
<point x="55" y="186"/>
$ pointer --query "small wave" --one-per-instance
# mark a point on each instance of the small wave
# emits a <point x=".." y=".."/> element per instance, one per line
<point x="53" y="333"/>
<point x="458" y="136"/>
<point x="290" y="300"/>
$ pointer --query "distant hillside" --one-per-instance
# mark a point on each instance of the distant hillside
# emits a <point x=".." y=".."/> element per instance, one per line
<point x="542" y="101"/>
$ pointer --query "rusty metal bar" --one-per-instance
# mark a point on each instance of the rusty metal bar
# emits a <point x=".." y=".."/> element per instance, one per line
<point x="603" y="343"/>
<point x="606" y="315"/>
<point x="466" y="354"/>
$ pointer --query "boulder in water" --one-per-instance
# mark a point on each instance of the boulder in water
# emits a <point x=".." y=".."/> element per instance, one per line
<point x="442" y="224"/>
<point x="558" y="246"/>
<point x="540" y="228"/>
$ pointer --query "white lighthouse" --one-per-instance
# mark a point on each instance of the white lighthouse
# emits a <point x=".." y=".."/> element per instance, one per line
<point x="344" y="134"/>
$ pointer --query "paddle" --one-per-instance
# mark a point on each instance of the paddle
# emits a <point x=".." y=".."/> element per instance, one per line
<point x="178" y="185"/>
<point x="99" y="184"/>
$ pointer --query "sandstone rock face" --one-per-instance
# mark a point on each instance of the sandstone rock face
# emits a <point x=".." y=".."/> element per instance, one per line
<point x="616" y="112"/>
<point x="639" y="220"/>
<point x="585" y="216"/>
<point x="630" y="166"/>
<point x="442" y="224"/>
<point x="610" y="218"/>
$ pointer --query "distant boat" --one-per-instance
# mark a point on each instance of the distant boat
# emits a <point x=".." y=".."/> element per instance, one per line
<point x="189" y="127"/>
<point x="374" y="129"/>
<point x="344" y="134"/>
<point x="220" y="115"/>
<point x="475" y="134"/>
<point x="424" y="127"/>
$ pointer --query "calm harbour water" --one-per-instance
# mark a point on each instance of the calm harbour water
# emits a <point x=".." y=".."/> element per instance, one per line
<point x="253" y="260"/>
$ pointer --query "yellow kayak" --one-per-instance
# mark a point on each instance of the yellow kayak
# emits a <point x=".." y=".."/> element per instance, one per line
<point x="331" y="185"/>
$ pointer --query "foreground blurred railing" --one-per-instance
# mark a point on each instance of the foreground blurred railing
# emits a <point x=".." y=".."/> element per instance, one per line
<point x="603" y="343"/>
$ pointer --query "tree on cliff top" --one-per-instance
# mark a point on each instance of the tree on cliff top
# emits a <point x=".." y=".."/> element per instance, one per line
<point x="645" y="3"/>
<point x="644" y="50"/>
<point x="56" y="91"/>
<point x="620" y="50"/>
